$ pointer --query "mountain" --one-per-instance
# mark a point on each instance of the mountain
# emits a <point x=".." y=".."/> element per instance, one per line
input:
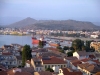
<point x="22" y="23"/>
<point x="96" y="23"/>
<point x="30" y="23"/>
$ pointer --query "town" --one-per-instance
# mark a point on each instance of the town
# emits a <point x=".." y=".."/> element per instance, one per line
<point x="77" y="58"/>
<point x="70" y="33"/>
<point x="49" y="37"/>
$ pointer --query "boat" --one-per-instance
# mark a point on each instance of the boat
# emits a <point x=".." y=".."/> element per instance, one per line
<point x="36" y="41"/>
<point x="54" y="44"/>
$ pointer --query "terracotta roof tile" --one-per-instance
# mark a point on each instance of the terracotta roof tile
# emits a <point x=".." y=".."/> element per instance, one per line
<point x="3" y="72"/>
<point x="53" y="49"/>
<point x="53" y="60"/>
<point x="85" y="60"/>
<point x="71" y="58"/>
<point x="6" y="54"/>
<point x="90" y="67"/>
<point x="10" y="72"/>
<point x="66" y="72"/>
<point x="76" y="62"/>
<point x="45" y="73"/>
<point x="96" y="61"/>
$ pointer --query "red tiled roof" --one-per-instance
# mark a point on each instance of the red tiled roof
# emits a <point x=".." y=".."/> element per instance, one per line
<point x="96" y="61"/>
<point x="76" y="62"/>
<point x="53" y="49"/>
<point x="6" y="54"/>
<point x="53" y="44"/>
<point x="10" y="72"/>
<point x="66" y="72"/>
<point x="90" y="67"/>
<point x="85" y="60"/>
<point x="54" y="60"/>
<point x="71" y="58"/>
<point x="45" y="73"/>
<point x="3" y="72"/>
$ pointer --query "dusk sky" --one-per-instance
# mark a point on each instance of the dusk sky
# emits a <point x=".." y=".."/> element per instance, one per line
<point x="14" y="10"/>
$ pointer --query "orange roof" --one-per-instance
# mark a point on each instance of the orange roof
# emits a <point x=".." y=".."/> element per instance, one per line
<point x="53" y="44"/>
<point x="53" y="60"/>
<point x="53" y="49"/>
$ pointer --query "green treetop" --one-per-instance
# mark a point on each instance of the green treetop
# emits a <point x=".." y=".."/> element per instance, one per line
<point x="26" y="54"/>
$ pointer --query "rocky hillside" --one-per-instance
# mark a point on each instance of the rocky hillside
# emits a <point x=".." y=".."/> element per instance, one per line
<point x="30" y="23"/>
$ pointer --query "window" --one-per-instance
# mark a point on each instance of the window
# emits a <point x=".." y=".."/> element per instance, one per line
<point x="10" y="62"/>
<point x="64" y="66"/>
<point x="45" y="66"/>
<point x="36" y="69"/>
<point x="61" y="66"/>
<point x="48" y="66"/>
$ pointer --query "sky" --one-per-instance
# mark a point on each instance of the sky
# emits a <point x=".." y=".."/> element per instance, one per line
<point x="14" y="10"/>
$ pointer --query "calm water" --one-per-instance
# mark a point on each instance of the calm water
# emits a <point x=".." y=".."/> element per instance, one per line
<point x="9" y="39"/>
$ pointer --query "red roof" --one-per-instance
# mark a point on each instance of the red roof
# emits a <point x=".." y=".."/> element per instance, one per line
<point x="10" y="72"/>
<point x="96" y="61"/>
<point x="45" y="73"/>
<point x="53" y="44"/>
<point x="3" y="72"/>
<point x="6" y="54"/>
<point x="53" y="49"/>
<point x="66" y="72"/>
<point x="85" y="60"/>
<point x="76" y="62"/>
<point x="54" y="60"/>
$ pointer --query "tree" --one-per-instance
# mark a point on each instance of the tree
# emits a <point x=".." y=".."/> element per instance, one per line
<point x="71" y="48"/>
<point x="70" y="54"/>
<point x="26" y="54"/>
<point x="60" y="49"/>
<point x="49" y="69"/>
<point x="41" y="44"/>
<point x="77" y="44"/>
<point x="87" y="44"/>
<point x="66" y="48"/>
<point x="83" y="48"/>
